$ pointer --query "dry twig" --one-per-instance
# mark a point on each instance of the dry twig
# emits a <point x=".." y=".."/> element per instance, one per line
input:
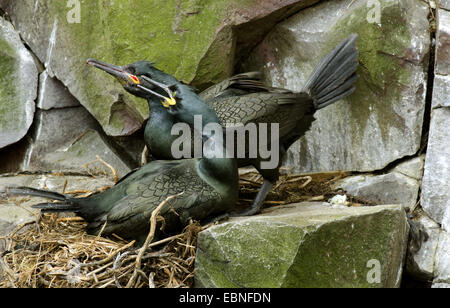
<point x="149" y="238"/>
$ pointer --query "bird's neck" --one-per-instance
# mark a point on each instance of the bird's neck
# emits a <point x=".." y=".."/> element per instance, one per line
<point x="157" y="134"/>
<point x="218" y="170"/>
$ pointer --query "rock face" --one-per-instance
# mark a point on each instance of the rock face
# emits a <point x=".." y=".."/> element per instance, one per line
<point x="305" y="245"/>
<point x="68" y="140"/>
<point x="435" y="197"/>
<point x="55" y="129"/>
<point x="81" y="156"/>
<point x="18" y="86"/>
<point x="382" y="121"/>
<point x="442" y="65"/>
<point x="195" y="40"/>
<point x="442" y="271"/>
<point x="53" y="94"/>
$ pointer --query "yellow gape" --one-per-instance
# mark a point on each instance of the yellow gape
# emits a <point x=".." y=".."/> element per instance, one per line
<point x="169" y="101"/>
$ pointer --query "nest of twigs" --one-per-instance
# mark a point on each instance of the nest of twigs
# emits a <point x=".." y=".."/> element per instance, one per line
<point x="57" y="252"/>
<point x="294" y="188"/>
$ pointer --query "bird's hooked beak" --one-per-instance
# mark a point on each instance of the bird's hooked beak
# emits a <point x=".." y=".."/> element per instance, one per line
<point x="127" y="79"/>
<point x="115" y="70"/>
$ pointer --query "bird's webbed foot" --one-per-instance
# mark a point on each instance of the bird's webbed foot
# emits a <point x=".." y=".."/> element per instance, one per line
<point x="259" y="200"/>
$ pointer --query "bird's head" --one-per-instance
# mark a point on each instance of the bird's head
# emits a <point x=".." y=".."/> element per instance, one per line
<point x="141" y="79"/>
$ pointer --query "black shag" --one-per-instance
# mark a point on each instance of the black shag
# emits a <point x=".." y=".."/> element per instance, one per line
<point x="241" y="99"/>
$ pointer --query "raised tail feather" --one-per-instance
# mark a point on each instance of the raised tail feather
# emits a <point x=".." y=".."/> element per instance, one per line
<point x="67" y="204"/>
<point x="335" y="75"/>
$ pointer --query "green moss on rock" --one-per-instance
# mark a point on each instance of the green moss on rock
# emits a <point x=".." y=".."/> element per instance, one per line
<point x="18" y="84"/>
<point x="300" y="246"/>
<point x="383" y="71"/>
<point x="191" y="39"/>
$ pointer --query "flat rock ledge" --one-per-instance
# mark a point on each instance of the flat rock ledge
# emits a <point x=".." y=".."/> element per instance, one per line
<point x="306" y="244"/>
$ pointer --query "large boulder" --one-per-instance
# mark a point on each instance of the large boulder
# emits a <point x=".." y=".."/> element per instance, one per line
<point x="18" y="86"/>
<point x="194" y="40"/>
<point x="305" y="245"/>
<point x="382" y="121"/>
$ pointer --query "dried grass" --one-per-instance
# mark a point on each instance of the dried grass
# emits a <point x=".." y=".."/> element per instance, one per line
<point x="58" y="253"/>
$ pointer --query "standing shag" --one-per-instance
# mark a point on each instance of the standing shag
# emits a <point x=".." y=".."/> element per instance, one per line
<point x="241" y="99"/>
<point x="209" y="187"/>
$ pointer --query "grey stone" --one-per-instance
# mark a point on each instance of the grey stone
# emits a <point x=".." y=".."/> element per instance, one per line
<point x="11" y="217"/>
<point x="64" y="47"/>
<point x="421" y="263"/>
<point x="67" y="140"/>
<point x="81" y="156"/>
<point x="391" y="188"/>
<point x="435" y="198"/>
<point x="440" y="285"/>
<point x="18" y="86"/>
<point x="443" y="43"/>
<point x="442" y="268"/>
<point x="53" y="94"/>
<point x="382" y="121"/>
<point x="441" y="91"/>
<point x="54" y="182"/>
<point x="55" y="129"/>
<point x="412" y="167"/>
<point x="305" y="245"/>
<point x="445" y="4"/>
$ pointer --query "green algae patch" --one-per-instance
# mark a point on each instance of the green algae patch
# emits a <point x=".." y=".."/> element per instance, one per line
<point x="8" y="90"/>
<point x="174" y="35"/>
<point x="18" y="86"/>
<point x="194" y="40"/>
<point x="384" y="70"/>
<point x="303" y="246"/>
